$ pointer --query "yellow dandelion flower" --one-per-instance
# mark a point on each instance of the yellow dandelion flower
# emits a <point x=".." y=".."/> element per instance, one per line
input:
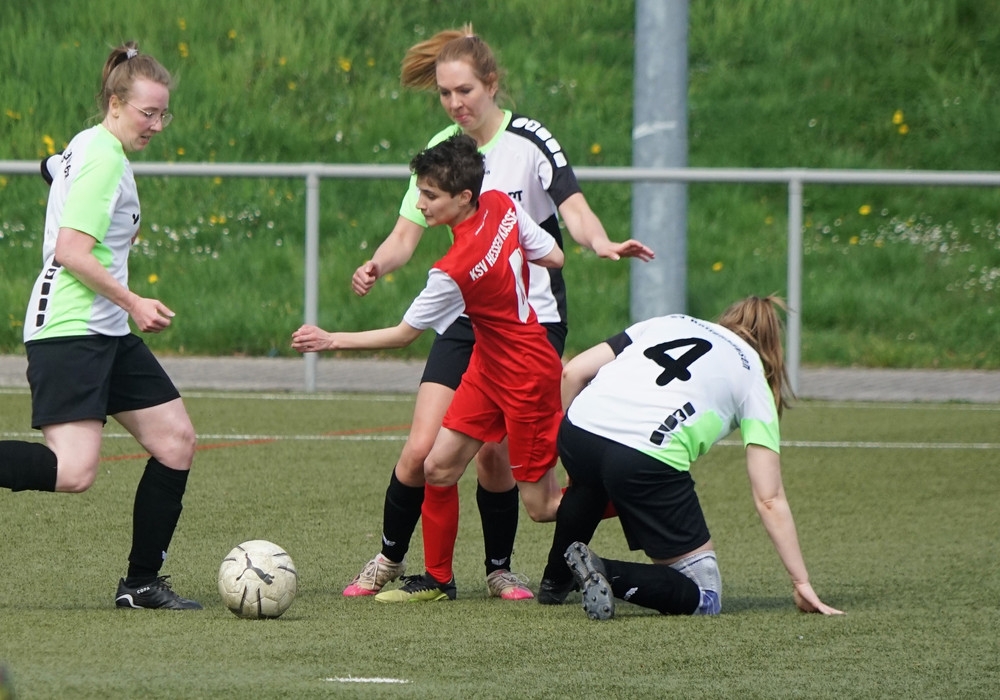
<point x="13" y="115"/>
<point x="182" y="23"/>
<point x="345" y="64"/>
<point x="182" y="48"/>
<point x="904" y="129"/>
<point x="3" y="182"/>
<point x="50" y="144"/>
<point x="853" y="240"/>
<point x="717" y="266"/>
<point x="180" y="151"/>
<point x="595" y="149"/>
<point x="153" y="278"/>
<point x="370" y="62"/>
<point x="216" y="180"/>
<point x="768" y="220"/>
<point x="213" y="219"/>
<point x="282" y="60"/>
<point x="865" y="209"/>
<point x="897" y="117"/>
<point x="231" y="33"/>
<point x="222" y="219"/>
<point x="292" y="85"/>
<point x="389" y="278"/>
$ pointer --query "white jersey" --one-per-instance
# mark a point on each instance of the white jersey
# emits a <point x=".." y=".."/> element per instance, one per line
<point x="677" y="386"/>
<point x="525" y="161"/>
<point x="93" y="191"/>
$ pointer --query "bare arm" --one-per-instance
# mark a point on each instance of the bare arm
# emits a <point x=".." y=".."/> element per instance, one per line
<point x="313" y="339"/>
<point x="581" y="369"/>
<point x="394" y="252"/>
<point x="764" y="469"/>
<point x="75" y="252"/>
<point x="554" y="258"/>
<point x="587" y="230"/>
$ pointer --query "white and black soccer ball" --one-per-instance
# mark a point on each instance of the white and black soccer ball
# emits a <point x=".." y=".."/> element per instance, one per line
<point x="257" y="579"/>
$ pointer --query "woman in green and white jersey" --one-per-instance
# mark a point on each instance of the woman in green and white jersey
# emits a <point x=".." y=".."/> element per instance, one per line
<point x="640" y="409"/>
<point x="524" y="160"/>
<point x="84" y="363"/>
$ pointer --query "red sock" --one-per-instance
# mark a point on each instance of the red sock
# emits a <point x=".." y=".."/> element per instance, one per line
<point x="609" y="510"/>
<point x="439" y="520"/>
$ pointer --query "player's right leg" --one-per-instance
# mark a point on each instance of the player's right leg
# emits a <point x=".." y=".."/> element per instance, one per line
<point x="69" y="381"/>
<point x="67" y="463"/>
<point x="404" y="496"/>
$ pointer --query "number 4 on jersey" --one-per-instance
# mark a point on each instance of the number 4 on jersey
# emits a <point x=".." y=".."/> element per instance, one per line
<point x="676" y="368"/>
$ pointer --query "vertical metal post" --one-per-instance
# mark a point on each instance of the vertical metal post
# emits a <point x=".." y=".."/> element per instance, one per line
<point x="659" y="139"/>
<point x="312" y="270"/>
<point x="793" y="339"/>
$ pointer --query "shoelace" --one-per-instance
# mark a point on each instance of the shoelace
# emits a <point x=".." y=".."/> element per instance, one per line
<point x="417" y="582"/>
<point x="510" y="578"/>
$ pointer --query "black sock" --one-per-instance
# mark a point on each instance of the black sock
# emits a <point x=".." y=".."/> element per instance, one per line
<point x="154" y="519"/>
<point x="499" y="512"/>
<point x="655" y="586"/>
<point x="400" y="514"/>
<point x="27" y="466"/>
<point x="579" y="514"/>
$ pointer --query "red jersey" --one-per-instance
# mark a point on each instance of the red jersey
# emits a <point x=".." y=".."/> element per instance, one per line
<point x="485" y="275"/>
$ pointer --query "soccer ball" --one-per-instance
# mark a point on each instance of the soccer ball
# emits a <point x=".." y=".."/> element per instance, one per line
<point x="257" y="579"/>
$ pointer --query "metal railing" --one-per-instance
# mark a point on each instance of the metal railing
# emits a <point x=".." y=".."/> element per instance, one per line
<point x="794" y="179"/>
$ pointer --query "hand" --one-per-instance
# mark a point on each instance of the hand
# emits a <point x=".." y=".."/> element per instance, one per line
<point x="364" y="278"/>
<point x="626" y="249"/>
<point x="150" y="315"/>
<point x="806" y="600"/>
<point x="310" y="339"/>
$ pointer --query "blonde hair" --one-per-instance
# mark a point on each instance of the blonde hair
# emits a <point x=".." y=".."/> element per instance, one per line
<point x="755" y="319"/>
<point x="419" y="65"/>
<point x="124" y="66"/>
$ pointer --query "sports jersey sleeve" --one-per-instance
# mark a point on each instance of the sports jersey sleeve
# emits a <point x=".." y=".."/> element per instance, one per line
<point x="552" y="167"/>
<point x="408" y="208"/>
<point x="92" y="197"/>
<point x="438" y="305"/>
<point x="619" y="342"/>
<point x="533" y="238"/>
<point x="759" y="420"/>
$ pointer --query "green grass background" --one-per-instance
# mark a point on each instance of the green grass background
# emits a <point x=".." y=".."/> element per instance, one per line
<point x="897" y="522"/>
<point x="894" y="276"/>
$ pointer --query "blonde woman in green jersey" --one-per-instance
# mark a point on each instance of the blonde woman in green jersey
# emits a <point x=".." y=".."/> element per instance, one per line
<point x="84" y="363"/>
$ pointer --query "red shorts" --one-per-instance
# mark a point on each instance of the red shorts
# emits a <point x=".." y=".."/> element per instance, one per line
<point x="531" y="444"/>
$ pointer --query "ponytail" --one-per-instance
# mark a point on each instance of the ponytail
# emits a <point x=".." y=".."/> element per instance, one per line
<point x="755" y="319"/>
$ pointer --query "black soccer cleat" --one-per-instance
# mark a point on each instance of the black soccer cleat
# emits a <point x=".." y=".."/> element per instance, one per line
<point x="589" y="572"/>
<point x="552" y="592"/>
<point x="155" y="596"/>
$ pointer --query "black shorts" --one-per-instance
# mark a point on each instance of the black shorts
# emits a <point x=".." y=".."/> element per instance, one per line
<point x="92" y="377"/>
<point x="657" y="505"/>
<point x="451" y="351"/>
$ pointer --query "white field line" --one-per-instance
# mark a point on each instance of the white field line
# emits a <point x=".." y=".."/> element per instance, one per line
<point x="274" y="396"/>
<point x="400" y="437"/>
<point x="405" y="397"/>
<point x="352" y="679"/>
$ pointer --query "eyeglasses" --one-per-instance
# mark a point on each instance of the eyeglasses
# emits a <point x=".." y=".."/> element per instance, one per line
<point x="164" y="117"/>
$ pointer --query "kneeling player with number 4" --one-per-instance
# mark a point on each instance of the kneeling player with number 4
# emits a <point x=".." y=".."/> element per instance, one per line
<point x="640" y="409"/>
<point x="511" y="388"/>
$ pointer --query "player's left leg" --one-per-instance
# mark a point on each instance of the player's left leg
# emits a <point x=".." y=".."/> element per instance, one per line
<point x="497" y="498"/>
<point x="146" y="403"/>
<point x="165" y="431"/>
